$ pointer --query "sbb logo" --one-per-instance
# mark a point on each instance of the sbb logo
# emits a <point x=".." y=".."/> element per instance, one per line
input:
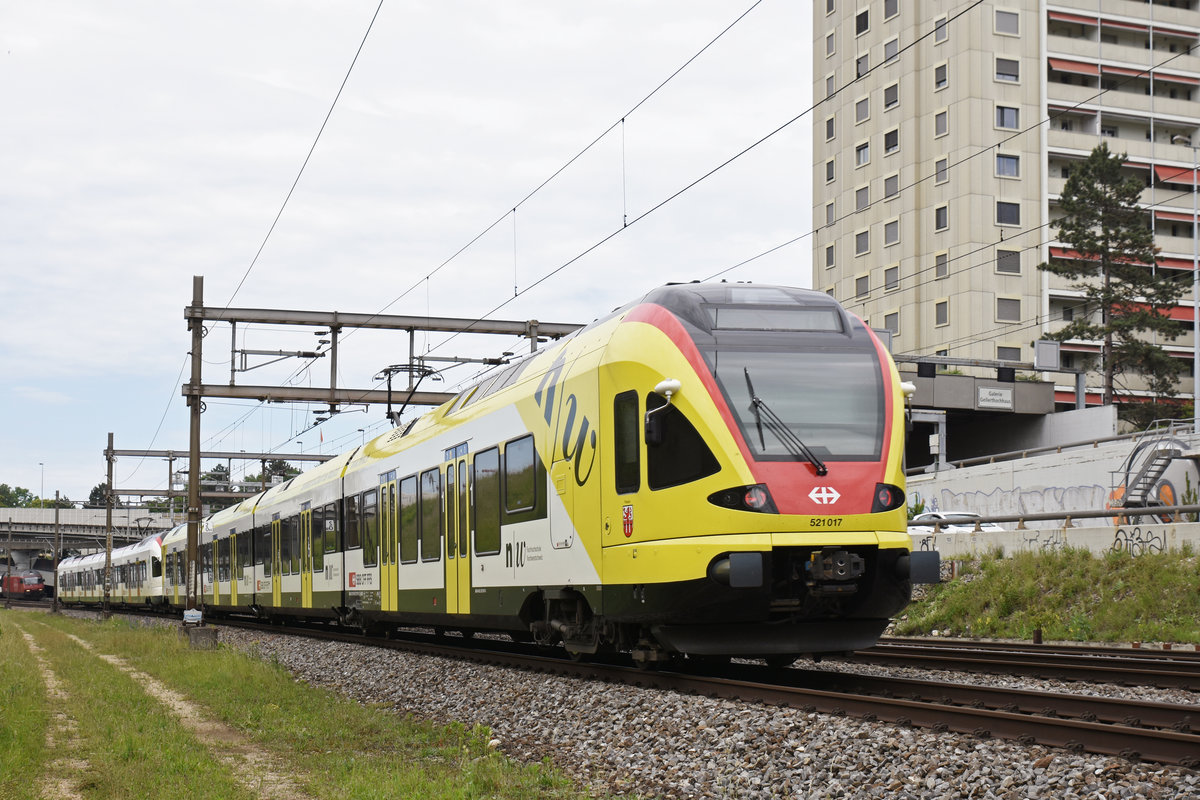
<point x="824" y="495"/>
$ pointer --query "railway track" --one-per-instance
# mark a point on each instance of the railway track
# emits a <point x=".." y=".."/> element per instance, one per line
<point x="1158" y="732"/>
<point x="1166" y="669"/>
<point x="1164" y="733"/>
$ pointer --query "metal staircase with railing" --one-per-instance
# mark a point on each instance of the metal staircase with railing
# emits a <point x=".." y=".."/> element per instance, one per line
<point x="1152" y="454"/>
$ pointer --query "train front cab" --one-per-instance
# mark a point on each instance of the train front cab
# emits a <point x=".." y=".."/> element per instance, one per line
<point x="722" y="538"/>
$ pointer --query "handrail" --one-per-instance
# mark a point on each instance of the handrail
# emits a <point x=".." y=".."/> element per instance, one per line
<point x="1013" y="455"/>
<point x="1021" y="519"/>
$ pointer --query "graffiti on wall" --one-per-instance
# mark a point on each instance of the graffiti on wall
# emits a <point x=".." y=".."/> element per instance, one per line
<point x="1044" y="541"/>
<point x="1136" y="541"/>
<point x="1000" y="502"/>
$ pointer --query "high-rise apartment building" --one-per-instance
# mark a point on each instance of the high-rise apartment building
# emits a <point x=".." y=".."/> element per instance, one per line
<point x="944" y="141"/>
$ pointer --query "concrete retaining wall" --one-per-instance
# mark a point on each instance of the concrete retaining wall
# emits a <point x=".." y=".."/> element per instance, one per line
<point x="1145" y="537"/>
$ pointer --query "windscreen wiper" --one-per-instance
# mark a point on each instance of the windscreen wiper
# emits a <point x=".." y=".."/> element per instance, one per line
<point x="787" y="437"/>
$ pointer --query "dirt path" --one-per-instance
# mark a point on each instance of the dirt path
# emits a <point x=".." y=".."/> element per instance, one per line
<point x="61" y="733"/>
<point x="258" y="771"/>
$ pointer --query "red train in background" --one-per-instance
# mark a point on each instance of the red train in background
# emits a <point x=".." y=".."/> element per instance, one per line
<point x="26" y="584"/>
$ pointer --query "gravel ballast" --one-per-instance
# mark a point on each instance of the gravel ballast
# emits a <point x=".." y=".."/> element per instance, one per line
<point x="631" y="740"/>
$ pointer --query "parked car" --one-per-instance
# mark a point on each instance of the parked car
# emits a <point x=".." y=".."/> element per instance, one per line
<point x="951" y="522"/>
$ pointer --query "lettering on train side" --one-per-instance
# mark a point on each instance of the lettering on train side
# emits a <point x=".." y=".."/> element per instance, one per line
<point x="578" y="442"/>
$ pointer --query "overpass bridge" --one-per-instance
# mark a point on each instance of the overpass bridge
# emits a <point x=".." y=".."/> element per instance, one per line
<point x="80" y="528"/>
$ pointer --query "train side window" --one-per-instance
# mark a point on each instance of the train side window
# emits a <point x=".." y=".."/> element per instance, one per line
<point x="431" y="515"/>
<point x="679" y="453"/>
<point x="262" y="547"/>
<point x="316" y="537"/>
<point x="294" y="525"/>
<point x="409" y="532"/>
<point x="244" y="541"/>
<point x="331" y="528"/>
<point x="486" y="500"/>
<point x="627" y="462"/>
<point x="155" y="567"/>
<point x="352" y="540"/>
<point x="520" y="487"/>
<point x="370" y="528"/>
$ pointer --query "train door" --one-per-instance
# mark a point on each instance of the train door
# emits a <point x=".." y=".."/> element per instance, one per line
<point x="450" y="534"/>
<point x="306" y="576"/>
<point x="389" y="542"/>
<point x="464" y="538"/>
<point x="276" y="561"/>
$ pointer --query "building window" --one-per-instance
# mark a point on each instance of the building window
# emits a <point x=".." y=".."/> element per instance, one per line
<point x="1008" y="23"/>
<point x="829" y="128"/>
<point x="941" y="218"/>
<point x="1008" y="309"/>
<point x="890" y="8"/>
<point x="891" y="49"/>
<point x="941" y="123"/>
<point x="891" y="186"/>
<point x="1008" y="166"/>
<point x="1008" y="118"/>
<point x="830" y="216"/>
<point x="862" y="243"/>
<point x="891" y="232"/>
<point x="891" y="323"/>
<point x="1008" y="213"/>
<point x="862" y="154"/>
<point x="829" y="6"/>
<point x="891" y="96"/>
<point x="1008" y="262"/>
<point x="830" y="43"/>
<point x="862" y="65"/>
<point x="862" y="22"/>
<point x="830" y="85"/>
<point x="941" y="171"/>
<point x="829" y="171"/>
<point x="1068" y="313"/>
<point x="940" y="76"/>
<point x="862" y="110"/>
<point x="829" y="262"/>
<point x="1008" y="353"/>
<point x="1109" y="131"/>
<point x="891" y="141"/>
<point x="941" y="265"/>
<point x="940" y="31"/>
<point x="862" y="286"/>
<point x="891" y="279"/>
<point x="1008" y="69"/>
<point x="941" y="313"/>
<point x="862" y="198"/>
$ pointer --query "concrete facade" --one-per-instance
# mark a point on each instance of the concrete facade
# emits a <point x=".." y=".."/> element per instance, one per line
<point x="943" y="142"/>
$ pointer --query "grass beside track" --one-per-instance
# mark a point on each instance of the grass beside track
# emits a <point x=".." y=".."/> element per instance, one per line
<point x="25" y="710"/>
<point x="1069" y="595"/>
<point x="329" y="746"/>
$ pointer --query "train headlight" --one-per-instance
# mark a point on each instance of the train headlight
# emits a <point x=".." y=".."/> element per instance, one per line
<point x="887" y="497"/>
<point x="745" y="498"/>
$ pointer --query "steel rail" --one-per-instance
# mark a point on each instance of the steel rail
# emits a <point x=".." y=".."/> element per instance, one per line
<point x="1167" y="655"/>
<point x="1131" y="671"/>
<point x="950" y="710"/>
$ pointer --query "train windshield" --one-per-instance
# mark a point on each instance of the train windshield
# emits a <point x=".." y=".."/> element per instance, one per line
<point x="832" y="399"/>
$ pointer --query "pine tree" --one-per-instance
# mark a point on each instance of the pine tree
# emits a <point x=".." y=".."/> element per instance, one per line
<point x="1126" y="299"/>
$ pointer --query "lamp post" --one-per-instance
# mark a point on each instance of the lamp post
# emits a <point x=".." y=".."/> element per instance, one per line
<point x="363" y="431"/>
<point x="42" y="494"/>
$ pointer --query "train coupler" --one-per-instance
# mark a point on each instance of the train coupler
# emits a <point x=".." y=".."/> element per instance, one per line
<point x="833" y="572"/>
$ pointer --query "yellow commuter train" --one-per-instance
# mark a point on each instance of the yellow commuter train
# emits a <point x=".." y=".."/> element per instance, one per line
<point x="713" y="470"/>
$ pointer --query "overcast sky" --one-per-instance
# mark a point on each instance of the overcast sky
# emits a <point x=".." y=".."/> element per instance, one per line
<point x="147" y="142"/>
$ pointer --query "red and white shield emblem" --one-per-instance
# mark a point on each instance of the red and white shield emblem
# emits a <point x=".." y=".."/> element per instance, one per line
<point x="627" y="520"/>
